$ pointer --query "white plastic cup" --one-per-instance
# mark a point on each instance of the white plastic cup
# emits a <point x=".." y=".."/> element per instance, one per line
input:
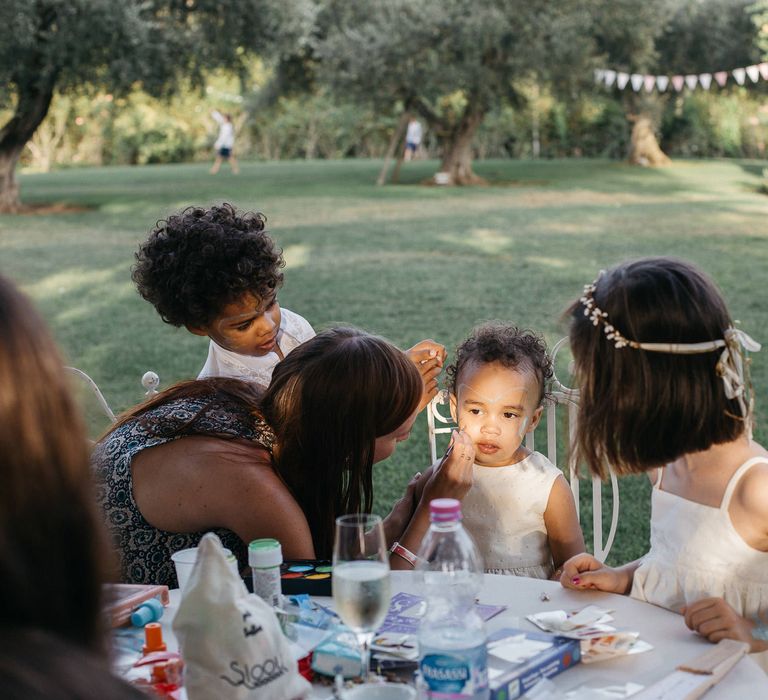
<point x="184" y="561"/>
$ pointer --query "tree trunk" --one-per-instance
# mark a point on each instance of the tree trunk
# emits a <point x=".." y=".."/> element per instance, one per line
<point x="645" y="149"/>
<point x="393" y="144"/>
<point x="457" y="156"/>
<point x="9" y="188"/>
<point x="31" y="108"/>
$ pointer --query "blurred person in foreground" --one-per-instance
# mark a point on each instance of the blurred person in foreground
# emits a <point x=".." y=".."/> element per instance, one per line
<point x="53" y="557"/>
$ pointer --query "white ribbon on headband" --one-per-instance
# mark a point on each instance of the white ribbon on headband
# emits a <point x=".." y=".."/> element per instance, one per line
<point x="731" y="363"/>
<point x="730" y="366"/>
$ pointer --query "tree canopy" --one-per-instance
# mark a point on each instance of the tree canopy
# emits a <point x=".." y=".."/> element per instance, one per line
<point x="451" y="61"/>
<point x="49" y="46"/>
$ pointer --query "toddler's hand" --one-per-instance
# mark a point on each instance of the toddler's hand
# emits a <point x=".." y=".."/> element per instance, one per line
<point x="584" y="572"/>
<point x="428" y="356"/>
<point x="715" y="619"/>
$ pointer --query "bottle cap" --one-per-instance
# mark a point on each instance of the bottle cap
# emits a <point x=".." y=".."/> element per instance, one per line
<point x="153" y="636"/>
<point x="265" y="553"/>
<point x="149" y="611"/>
<point x="443" y="510"/>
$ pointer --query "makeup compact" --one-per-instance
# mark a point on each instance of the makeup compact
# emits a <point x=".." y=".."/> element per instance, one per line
<point x="312" y="576"/>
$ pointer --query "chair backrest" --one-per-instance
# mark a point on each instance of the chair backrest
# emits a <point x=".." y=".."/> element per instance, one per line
<point x="150" y="381"/>
<point x="563" y="404"/>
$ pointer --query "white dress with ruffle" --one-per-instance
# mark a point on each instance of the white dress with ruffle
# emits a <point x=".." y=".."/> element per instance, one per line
<point x="697" y="553"/>
<point x="504" y="513"/>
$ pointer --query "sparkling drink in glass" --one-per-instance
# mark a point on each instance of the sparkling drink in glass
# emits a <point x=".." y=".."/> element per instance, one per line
<point x="361" y="588"/>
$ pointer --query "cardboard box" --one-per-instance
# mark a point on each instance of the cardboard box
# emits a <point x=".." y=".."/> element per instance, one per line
<point x="517" y="659"/>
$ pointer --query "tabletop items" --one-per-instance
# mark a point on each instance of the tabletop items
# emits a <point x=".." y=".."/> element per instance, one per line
<point x="599" y="640"/>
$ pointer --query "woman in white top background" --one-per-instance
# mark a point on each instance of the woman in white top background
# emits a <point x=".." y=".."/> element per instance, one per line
<point x="225" y="143"/>
<point x="665" y="390"/>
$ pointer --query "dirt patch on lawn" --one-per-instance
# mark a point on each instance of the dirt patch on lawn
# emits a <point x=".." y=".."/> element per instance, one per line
<point x="52" y="209"/>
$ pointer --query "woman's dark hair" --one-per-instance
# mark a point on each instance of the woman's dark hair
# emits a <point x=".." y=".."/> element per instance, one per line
<point x="328" y="402"/>
<point x="638" y="409"/>
<point x="508" y="345"/>
<point x="52" y="544"/>
<point x="196" y="262"/>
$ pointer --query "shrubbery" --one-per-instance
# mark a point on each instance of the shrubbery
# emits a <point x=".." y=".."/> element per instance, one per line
<point x="141" y="130"/>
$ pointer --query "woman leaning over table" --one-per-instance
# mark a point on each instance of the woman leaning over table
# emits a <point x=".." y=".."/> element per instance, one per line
<point x="665" y="390"/>
<point x="53" y="557"/>
<point x="216" y="455"/>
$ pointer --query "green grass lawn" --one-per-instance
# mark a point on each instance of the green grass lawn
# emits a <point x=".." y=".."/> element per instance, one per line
<point x="405" y="261"/>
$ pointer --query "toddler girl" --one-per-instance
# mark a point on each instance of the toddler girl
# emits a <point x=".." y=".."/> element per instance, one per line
<point x="664" y="390"/>
<point x="519" y="510"/>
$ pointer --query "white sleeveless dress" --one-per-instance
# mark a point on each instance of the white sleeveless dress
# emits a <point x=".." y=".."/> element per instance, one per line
<point x="504" y="513"/>
<point x="697" y="553"/>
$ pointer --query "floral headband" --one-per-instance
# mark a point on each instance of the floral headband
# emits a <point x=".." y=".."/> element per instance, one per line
<point x="731" y="367"/>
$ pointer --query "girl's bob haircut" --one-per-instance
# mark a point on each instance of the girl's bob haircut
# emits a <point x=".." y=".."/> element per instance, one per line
<point x="638" y="409"/>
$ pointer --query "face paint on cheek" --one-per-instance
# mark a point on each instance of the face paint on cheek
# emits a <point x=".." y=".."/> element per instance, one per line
<point x="523" y="426"/>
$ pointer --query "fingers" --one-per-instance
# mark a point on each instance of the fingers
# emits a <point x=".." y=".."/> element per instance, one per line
<point x="427" y="349"/>
<point x="583" y="571"/>
<point x="701" y="611"/>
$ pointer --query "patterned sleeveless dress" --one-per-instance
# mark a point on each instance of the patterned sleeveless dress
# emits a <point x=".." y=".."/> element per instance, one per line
<point x="145" y="551"/>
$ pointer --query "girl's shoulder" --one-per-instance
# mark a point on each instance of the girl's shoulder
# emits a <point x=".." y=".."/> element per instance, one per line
<point x="751" y="487"/>
<point x="542" y="464"/>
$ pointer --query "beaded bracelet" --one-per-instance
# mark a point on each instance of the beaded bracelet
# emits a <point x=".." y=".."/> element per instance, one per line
<point x="404" y="553"/>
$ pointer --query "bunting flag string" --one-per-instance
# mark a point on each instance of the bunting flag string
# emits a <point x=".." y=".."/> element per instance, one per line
<point x="638" y="81"/>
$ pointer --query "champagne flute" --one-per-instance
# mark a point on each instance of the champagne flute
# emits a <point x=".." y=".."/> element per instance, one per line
<point x="361" y="589"/>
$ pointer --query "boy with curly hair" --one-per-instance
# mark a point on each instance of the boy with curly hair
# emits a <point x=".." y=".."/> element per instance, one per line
<point x="217" y="272"/>
<point x="520" y="509"/>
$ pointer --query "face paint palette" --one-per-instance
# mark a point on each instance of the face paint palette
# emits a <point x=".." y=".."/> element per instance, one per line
<point x="312" y="576"/>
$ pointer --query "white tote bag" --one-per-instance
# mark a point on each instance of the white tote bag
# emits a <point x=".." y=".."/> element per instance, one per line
<point x="230" y="639"/>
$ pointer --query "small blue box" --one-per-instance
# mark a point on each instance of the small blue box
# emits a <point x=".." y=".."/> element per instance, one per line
<point x="518" y="678"/>
<point x="338" y="653"/>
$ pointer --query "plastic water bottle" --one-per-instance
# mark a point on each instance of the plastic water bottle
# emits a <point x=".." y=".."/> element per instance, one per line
<point x="452" y="639"/>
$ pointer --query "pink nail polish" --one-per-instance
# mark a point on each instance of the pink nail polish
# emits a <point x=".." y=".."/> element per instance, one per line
<point x="575" y="580"/>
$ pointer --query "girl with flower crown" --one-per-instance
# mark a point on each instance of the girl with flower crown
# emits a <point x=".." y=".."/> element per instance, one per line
<point x="665" y="390"/>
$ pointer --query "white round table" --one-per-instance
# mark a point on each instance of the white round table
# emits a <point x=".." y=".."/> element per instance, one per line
<point x="673" y="642"/>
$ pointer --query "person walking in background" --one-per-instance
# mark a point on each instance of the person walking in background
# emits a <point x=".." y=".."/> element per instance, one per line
<point x="412" y="138"/>
<point x="224" y="143"/>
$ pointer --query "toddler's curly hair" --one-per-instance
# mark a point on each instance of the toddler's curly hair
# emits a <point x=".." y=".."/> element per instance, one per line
<point x="196" y="262"/>
<point x="508" y="345"/>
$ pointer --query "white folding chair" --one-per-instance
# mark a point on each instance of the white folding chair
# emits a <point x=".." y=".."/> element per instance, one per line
<point x="150" y="381"/>
<point x="562" y="399"/>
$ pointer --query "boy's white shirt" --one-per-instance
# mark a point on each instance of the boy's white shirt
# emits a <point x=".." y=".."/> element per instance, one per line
<point x="294" y="330"/>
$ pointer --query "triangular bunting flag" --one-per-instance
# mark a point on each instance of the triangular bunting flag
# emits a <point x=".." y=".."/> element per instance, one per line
<point x="662" y="81"/>
<point x="637" y="81"/>
<point x="599" y="75"/>
<point x="739" y="74"/>
<point x="621" y="80"/>
<point x="753" y="72"/>
<point x="610" y="77"/>
<point x="706" y="80"/>
<point x="721" y="77"/>
<point x="691" y="81"/>
<point x="648" y="82"/>
<point x="677" y="82"/>
<point x="763" y="68"/>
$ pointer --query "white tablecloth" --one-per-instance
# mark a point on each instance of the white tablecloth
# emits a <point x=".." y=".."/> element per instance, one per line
<point x="673" y="642"/>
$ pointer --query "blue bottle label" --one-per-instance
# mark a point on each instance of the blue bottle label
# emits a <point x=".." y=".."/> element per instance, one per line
<point x="455" y="675"/>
